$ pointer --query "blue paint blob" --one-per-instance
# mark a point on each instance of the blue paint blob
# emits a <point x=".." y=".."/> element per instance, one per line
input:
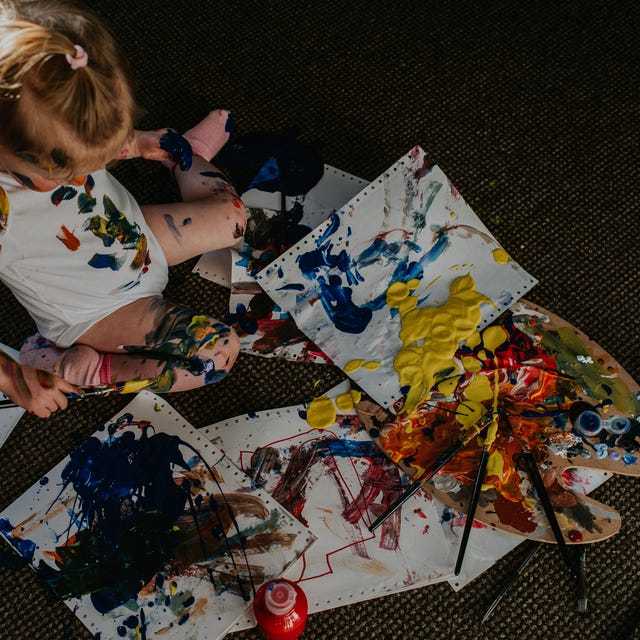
<point x="44" y="481"/>
<point x="179" y="149"/>
<point x="628" y="459"/>
<point x="132" y="622"/>
<point x="106" y="261"/>
<point x="601" y="450"/>
<point x="189" y="601"/>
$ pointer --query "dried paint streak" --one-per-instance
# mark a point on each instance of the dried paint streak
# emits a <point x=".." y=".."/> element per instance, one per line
<point x="68" y="239"/>
<point x="380" y="482"/>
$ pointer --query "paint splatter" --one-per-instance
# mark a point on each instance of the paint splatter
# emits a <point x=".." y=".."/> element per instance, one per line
<point x="68" y="239"/>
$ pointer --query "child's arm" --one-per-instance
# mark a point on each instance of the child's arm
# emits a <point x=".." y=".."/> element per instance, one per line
<point x="39" y="392"/>
<point x="162" y="145"/>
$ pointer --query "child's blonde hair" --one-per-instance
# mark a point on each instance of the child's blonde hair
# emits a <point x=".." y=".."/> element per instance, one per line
<point x="57" y="117"/>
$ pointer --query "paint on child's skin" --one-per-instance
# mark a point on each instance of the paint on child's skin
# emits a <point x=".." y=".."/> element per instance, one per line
<point x="178" y="147"/>
<point x="168" y="218"/>
<point x="430" y="338"/>
<point x="181" y="341"/>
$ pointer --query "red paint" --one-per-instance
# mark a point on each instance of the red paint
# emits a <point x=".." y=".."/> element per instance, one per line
<point x="514" y="515"/>
<point x="68" y="239"/>
<point x="574" y="535"/>
<point x="280" y="607"/>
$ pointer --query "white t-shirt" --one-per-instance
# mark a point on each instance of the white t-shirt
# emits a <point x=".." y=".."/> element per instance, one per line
<point x="74" y="255"/>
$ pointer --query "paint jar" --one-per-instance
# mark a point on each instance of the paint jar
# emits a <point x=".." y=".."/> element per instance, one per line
<point x="588" y="424"/>
<point x="617" y="425"/>
<point x="280" y="607"/>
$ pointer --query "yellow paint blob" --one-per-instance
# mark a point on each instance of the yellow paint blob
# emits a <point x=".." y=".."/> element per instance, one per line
<point x="399" y="296"/>
<point x="469" y="413"/>
<point x="495" y="466"/>
<point x="321" y="413"/>
<point x="470" y="365"/>
<point x="353" y="365"/>
<point x="430" y="338"/>
<point x="372" y="365"/>
<point x="500" y="256"/>
<point x="356" y="396"/>
<point x="479" y="389"/>
<point x="134" y="386"/>
<point x="493" y="337"/>
<point x="344" y="402"/>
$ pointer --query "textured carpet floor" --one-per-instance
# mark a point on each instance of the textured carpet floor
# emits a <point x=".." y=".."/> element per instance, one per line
<point x="531" y="108"/>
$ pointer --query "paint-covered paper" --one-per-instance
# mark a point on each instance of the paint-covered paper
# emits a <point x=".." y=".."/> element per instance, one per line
<point x="146" y="530"/>
<point x="336" y="482"/>
<point x="409" y="228"/>
<point x="334" y="189"/>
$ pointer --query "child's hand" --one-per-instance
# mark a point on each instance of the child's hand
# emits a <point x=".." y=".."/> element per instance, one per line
<point x="39" y="392"/>
<point x="161" y="145"/>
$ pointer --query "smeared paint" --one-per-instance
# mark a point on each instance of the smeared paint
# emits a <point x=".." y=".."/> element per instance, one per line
<point x="178" y="148"/>
<point x="140" y="522"/>
<point x="500" y="256"/>
<point x="115" y="227"/>
<point x="68" y="239"/>
<point x="63" y="193"/>
<point x="514" y="514"/>
<point x="181" y="341"/>
<point x="574" y="359"/>
<point x="510" y="373"/>
<point x="168" y="218"/>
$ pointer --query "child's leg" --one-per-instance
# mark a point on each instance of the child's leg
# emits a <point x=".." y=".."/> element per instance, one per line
<point x="154" y="340"/>
<point x="211" y="215"/>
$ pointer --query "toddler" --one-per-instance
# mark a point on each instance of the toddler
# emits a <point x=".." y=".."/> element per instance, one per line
<point x="87" y="262"/>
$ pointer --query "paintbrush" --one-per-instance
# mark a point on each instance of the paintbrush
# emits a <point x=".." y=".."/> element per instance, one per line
<point x="428" y="474"/>
<point x="475" y="496"/>
<point x="85" y="392"/>
<point x="583" y="587"/>
<point x="510" y="580"/>
<point x="543" y="496"/>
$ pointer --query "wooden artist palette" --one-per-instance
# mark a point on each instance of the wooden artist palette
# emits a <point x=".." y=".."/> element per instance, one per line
<point x="554" y="392"/>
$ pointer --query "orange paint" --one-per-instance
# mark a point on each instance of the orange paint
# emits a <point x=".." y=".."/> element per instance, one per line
<point x="68" y="239"/>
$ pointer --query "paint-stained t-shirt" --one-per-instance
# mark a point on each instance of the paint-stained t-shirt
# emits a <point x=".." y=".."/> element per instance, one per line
<point x="76" y="254"/>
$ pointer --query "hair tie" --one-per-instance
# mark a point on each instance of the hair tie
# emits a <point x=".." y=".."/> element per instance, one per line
<point x="80" y="59"/>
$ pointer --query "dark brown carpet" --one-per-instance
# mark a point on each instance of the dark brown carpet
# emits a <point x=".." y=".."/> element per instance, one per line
<point x="531" y="108"/>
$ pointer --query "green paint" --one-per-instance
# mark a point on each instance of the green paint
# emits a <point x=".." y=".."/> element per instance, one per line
<point x="574" y="359"/>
